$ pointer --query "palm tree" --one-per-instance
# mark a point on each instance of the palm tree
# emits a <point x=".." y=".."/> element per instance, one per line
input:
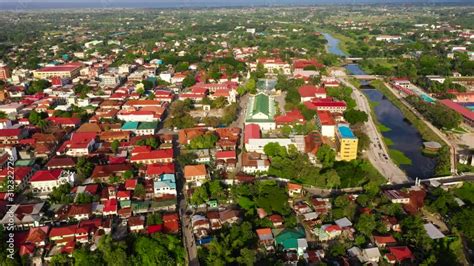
<point x="42" y="124"/>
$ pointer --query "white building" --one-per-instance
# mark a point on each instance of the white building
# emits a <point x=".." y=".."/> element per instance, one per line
<point x="138" y="116"/>
<point x="109" y="80"/>
<point x="257" y="145"/>
<point x="165" y="76"/>
<point x="43" y="181"/>
<point x="388" y="38"/>
<point x="165" y="185"/>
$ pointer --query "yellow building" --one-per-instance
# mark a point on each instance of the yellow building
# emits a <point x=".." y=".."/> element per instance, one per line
<point x="70" y="70"/>
<point x="346" y="143"/>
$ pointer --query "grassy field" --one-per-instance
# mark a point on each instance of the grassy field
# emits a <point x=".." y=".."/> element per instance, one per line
<point x="369" y="63"/>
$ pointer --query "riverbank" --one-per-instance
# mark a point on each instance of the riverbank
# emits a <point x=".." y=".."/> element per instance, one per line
<point x="343" y="42"/>
<point x="376" y="151"/>
<point x="426" y="133"/>
<point x="397" y="156"/>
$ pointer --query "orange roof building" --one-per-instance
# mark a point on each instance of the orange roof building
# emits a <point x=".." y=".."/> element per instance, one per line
<point x="195" y="174"/>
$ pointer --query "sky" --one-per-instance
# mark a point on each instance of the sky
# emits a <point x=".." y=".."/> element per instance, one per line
<point x="36" y="4"/>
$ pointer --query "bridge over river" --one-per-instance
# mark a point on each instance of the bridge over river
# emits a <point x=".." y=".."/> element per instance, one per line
<point x="365" y="77"/>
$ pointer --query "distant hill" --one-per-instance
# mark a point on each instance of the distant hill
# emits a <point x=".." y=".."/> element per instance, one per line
<point x="53" y="4"/>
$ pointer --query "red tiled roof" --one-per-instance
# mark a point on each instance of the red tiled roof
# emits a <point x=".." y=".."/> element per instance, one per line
<point x="225" y="154"/>
<point x="123" y="194"/>
<point x="466" y="113"/>
<point x="109" y="169"/>
<point x="264" y="231"/>
<point x="140" y="149"/>
<point x="200" y="90"/>
<point x="310" y="91"/>
<point x="293" y="116"/>
<point x="110" y="205"/>
<point x="156" y="154"/>
<point x="385" y="239"/>
<point x="401" y="253"/>
<point x="65" y="120"/>
<point x="151" y="229"/>
<point x="302" y="63"/>
<point x="315" y="103"/>
<point x="293" y="186"/>
<point x="60" y="161"/>
<point x="61" y="68"/>
<point x="333" y="228"/>
<point x="27" y="249"/>
<point x="83" y="137"/>
<point x="117" y="160"/>
<point x="10" y="132"/>
<point x="159" y="169"/>
<point x="275" y="218"/>
<point x="63" y="231"/>
<point x="131" y="183"/>
<point x="194" y="170"/>
<point x="18" y="172"/>
<point x="80" y="209"/>
<point x="326" y="118"/>
<point x="252" y="131"/>
<point x="37" y="234"/>
<point x="169" y="217"/>
<point x="46" y="175"/>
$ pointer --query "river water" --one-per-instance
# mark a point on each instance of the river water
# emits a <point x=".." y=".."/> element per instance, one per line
<point x="404" y="136"/>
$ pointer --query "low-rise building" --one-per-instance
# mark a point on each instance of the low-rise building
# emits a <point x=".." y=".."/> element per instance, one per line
<point x="260" y="111"/>
<point x="195" y="175"/>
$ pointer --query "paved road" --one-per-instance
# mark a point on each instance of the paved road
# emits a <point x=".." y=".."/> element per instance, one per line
<point x="186" y="229"/>
<point x="239" y="122"/>
<point x="377" y="152"/>
<point x="280" y="99"/>
<point x="188" y="236"/>
<point x="324" y="192"/>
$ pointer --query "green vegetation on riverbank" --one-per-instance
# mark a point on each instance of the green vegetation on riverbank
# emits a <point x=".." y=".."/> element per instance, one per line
<point x="399" y="157"/>
<point x="383" y="128"/>
<point x="344" y="41"/>
<point x="378" y="66"/>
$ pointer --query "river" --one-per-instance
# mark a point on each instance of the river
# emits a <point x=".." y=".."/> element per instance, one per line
<point x="404" y="136"/>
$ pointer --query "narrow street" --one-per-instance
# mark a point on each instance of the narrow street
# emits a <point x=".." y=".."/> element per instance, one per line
<point x="377" y="152"/>
<point x="187" y="234"/>
<point x="239" y="122"/>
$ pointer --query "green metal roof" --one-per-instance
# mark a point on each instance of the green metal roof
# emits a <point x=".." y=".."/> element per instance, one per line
<point x="288" y="238"/>
<point x="261" y="104"/>
<point x="130" y="125"/>
<point x="24" y="162"/>
<point x="148" y="125"/>
<point x="125" y="203"/>
<point x="163" y="203"/>
<point x="140" y="205"/>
